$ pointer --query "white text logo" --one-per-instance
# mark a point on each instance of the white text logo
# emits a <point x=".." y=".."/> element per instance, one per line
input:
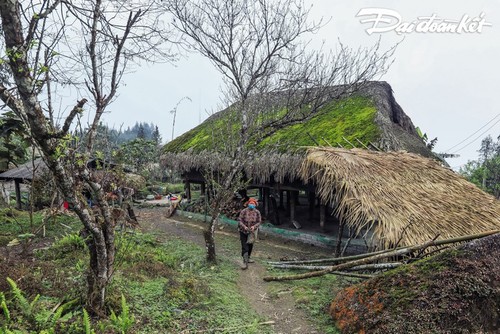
<point x="384" y="20"/>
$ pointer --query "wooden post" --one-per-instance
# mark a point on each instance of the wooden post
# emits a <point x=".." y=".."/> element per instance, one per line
<point x="281" y="194"/>
<point x="338" y="248"/>
<point x="312" y="198"/>
<point x="292" y="206"/>
<point x="202" y="189"/>
<point x="276" y="215"/>
<point x="322" y="216"/>
<point x="261" y="195"/>
<point x="187" y="190"/>
<point x="288" y="201"/>
<point x="296" y="195"/>
<point x="18" y="193"/>
<point x="266" y="202"/>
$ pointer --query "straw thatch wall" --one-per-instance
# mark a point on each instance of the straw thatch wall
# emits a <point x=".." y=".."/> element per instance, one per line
<point x="279" y="166"/>
<point x="399" y="195"/>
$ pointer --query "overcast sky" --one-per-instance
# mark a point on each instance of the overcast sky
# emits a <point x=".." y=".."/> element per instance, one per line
<point x="448" y="83"/>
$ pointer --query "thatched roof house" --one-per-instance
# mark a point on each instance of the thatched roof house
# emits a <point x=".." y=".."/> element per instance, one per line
<point x="384" y="194"/>
<point x="37" y="169"/>
<point x="399" y="195"/>
<point x="370" y="118"/>
<point x="25" y="171"/>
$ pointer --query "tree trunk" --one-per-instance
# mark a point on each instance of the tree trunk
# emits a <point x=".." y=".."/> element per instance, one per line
<point x="100" y="242"/>
<point x="338" y="247"/>
<point x="210" y="240"/>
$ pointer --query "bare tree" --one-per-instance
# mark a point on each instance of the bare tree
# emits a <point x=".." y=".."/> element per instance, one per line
<point x="87" y="45"/>
<point x="261" y="48"/>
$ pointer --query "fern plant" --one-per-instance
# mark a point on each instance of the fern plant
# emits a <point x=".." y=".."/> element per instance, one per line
<point x="41" y="319"/>
<point x="5" y="312"/>
<point x="123" y="322"/>
<point x="4" y="308"/>
<point x="86" y="323"/>
<point x="24" y="305"/>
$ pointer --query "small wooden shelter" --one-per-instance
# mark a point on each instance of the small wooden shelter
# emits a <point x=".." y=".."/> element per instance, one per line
<point x="31" y="170"/>
<point x="24" y="173"/>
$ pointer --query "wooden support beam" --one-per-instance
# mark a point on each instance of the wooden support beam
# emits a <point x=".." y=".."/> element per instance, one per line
<point x="203" y="189"/>
<point x="266" y="202"/>
<point x="276" y="215"/>
<point x="187" y="190"/>
<point x="288" y="202"/>
<point x="338" y="247"/>
<point x="312" y="200"/>
<point x="296" y="195"/>
<point x="281" y="194"/>
<point x="18" y="193"/>
<point x="322" y="216"/>
<point x="292" y="206"/>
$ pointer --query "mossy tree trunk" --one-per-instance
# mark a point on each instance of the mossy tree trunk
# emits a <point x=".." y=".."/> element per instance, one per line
<point x="33" y="37"/>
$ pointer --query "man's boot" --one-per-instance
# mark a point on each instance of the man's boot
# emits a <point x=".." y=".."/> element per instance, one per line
<point x="245" y="261"/>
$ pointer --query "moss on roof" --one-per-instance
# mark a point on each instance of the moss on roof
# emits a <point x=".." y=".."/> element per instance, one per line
<point x="352" y="118"/>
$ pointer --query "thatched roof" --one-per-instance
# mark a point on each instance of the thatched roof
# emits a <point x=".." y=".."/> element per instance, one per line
<point x="370" y="116"/>
<point x="25" y="171"/>
<point x="399" y="195"/>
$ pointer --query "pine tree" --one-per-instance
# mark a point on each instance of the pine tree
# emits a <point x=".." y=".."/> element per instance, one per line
<point x="156" y="136"/>
<point x="141" y="133"/>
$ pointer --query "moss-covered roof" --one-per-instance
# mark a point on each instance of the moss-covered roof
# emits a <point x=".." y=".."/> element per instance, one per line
<point x="351" y="118"/>
<point x="371" y="116"/>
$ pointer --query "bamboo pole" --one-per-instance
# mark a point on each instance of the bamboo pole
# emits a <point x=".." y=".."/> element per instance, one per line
<point x="370" y="266"/>
<point x="335" y="259"/>
<point x="374" y="258"/>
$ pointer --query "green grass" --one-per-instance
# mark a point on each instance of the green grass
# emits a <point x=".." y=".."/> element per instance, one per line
<point x="167" y="284"/>
<point x="14" y="223"/>
<point x="165" y="280"/>
<point x="177" y="290"/>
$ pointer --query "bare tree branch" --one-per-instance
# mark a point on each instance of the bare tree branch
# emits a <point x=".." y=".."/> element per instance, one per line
<point x="261" y="50"/>
<point x="88" y="45"/>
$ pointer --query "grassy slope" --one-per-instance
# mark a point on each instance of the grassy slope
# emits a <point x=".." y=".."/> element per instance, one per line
<point x="164" y="279"/>
<point x="453" y="292"/>
<point x="350" y="118"/>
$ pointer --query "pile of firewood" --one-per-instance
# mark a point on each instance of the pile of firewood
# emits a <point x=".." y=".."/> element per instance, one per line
<point x="368" y="264"/>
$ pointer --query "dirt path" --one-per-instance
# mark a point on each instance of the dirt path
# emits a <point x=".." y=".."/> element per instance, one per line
<point x="280" y="307"/>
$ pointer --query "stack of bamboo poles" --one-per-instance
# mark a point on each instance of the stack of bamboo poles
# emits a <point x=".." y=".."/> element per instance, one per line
<point x="368" y="262"/>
